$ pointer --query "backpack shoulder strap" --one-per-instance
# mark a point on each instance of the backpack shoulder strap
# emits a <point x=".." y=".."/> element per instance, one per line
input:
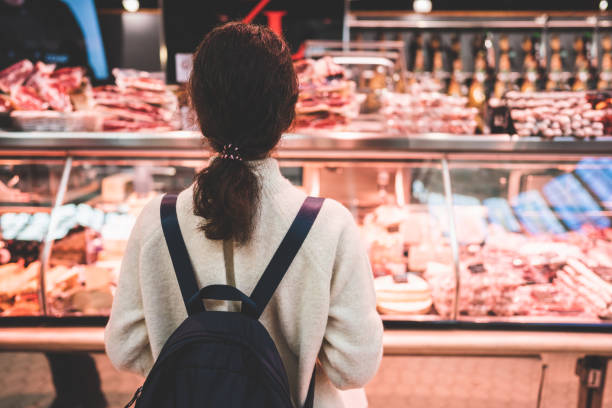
<point x="178" y="253"/>
<point x="285" y="253"/>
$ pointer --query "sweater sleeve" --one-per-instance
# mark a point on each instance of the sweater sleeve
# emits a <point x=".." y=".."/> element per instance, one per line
<point x="352" y="345"/>
<point x="126" y="338"/>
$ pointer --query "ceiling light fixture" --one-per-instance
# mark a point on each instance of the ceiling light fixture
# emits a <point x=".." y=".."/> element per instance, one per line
<point x="423" y="6"/>
<point x="131" y="5"/>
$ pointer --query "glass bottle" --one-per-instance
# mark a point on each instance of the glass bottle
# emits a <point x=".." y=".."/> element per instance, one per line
<point x="503" y="83"/>
<point x="456" y="86"/>
<point x="530" y="74"/>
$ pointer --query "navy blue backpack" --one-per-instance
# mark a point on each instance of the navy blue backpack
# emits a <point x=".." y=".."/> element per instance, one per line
<point x="223" y="359"/>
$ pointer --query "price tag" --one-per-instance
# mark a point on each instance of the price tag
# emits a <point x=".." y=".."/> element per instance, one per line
<point x="184" y="64"/>
<point x="594" y="378"/>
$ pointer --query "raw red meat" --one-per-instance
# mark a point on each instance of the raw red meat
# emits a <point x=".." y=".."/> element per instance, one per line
<point x="15" y="75"/>
<point x="41" y="71"/>
<point x="50" y="89"/>
<point x="26" y="98"/>
<point x="5" y="104"/>
<point x="70" y="78"/>
<point x="55" y="95"/>
<point x="138" y="102"/>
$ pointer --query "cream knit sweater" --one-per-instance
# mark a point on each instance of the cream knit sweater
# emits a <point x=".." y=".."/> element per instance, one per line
<point x="323" y="309"/>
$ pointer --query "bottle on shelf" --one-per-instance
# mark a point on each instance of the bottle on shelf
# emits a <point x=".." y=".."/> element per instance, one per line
<point x="417" y="57"/>
<point x="456" y="86"/>
<point x="605" y="73"/>
<point x="506" y="48"/>
<point x="581" y="66"/>
<point x="477" y="91"/>
<point x="399" y="80"/>
<point x="606" y="45"/>
<point x="582" y="77"/>
<point x="555" y="75"/>
<point x="454" y="52"/>
<point x="530" y="74"/>
<point x="504" y="82"/>
<point x="489" y="52"/>
<point x="529" y="66"/>
<point x="527" y="49"/>
<point x="484" y="61"/>
<point x="556" y="47"/>
<point x="437" y="61"/>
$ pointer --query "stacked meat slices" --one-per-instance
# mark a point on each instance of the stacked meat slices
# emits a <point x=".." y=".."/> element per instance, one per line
<point x="327" y="98"/>
<point x="38" y="87"/>
<point x="139" y="101"/>
<point x="534" y="278"/>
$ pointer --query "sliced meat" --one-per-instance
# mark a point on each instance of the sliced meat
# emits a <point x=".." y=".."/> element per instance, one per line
<point x="15" y="75"/>
<point x="26" y="98"/>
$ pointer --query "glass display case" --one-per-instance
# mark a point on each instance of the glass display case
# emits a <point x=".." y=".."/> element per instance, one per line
<point x="459" y="230"/>
<point x="28" y="188"/>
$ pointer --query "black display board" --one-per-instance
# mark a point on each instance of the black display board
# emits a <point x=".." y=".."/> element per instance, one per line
<point x="187" y="21"/>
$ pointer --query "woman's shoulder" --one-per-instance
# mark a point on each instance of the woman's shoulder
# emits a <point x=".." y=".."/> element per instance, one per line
<point x="333" y="209"/>
<point x="148" y="223"/>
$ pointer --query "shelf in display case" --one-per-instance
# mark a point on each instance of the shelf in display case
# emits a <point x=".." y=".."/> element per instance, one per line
<point x="342" y="143"/>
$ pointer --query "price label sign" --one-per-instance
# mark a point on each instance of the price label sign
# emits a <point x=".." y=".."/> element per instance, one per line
<point x="184" y="64"/>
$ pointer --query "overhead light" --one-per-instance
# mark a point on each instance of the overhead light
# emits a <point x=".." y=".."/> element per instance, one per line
<point x="131" y="5"/>
<point x="603" y="5"/>
<point x="423" y="6"/>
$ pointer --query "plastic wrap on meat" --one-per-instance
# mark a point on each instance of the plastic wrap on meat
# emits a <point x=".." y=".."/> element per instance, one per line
<point x="15" y="75"/>
<point x="131" y="78"/>
<point x="26" y="98"/>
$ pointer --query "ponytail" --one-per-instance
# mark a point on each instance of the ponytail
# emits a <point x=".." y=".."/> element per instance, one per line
<point x="226" y="194"/>
<point x="243" y="89"/>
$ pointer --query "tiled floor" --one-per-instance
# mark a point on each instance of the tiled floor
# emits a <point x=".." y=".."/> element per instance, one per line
<point x="406" y="382"/>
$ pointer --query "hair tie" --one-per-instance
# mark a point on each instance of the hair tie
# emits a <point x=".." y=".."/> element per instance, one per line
<point x="231" y="152"/>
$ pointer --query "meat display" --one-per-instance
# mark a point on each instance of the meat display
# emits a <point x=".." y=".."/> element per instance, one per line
<point x="138" y="102"/>
<point x="15" y="75"/>
<point x="21" y="235"/>
<point x="26" y="98"/>
<point x="515" y="275"/>
<point x="39" y="87"/>
<point x="427" y="112"/>
<point x="502" y="273"/>
<point x="554" y="114"/>
<point x="327" y="96"/>
<point x="423" y="108"/>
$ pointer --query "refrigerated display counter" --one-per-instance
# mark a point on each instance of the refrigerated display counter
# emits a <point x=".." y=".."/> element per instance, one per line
<point x="462" y="231"/>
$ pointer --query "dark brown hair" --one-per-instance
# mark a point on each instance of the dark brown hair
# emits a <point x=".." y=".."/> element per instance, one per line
<point x="243" y="89"/>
